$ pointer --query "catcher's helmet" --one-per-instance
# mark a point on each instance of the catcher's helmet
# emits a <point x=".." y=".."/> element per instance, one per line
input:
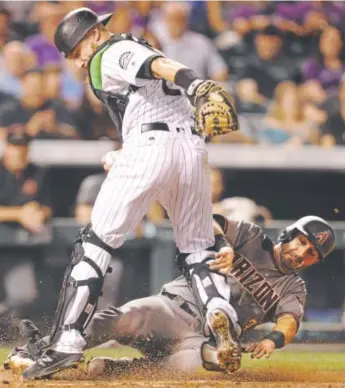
<point x="74" y="26"/>
<point x="316" y="229"/>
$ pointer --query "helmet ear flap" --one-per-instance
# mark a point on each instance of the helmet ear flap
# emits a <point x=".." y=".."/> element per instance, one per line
<point x="287" y="235"/>
<point x="283" y="236"/>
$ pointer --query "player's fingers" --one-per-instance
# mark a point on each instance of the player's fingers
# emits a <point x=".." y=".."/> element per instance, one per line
<point x="260" y="353"/>
<point x="250" y="348"/>
<point x="219" y="264"/>
<point x="223" y="260"/>
<point x="220" y="255"/>
<point x="256" y="351"/>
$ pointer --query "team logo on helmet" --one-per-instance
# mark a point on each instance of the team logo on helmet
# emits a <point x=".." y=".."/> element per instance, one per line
<point x="321" y="237"/>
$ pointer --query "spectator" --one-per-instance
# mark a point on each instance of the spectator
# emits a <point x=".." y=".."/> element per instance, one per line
<point x="24" y="195"/>
<point x="318" y="105"/>
<point x="18" y="10"/>
<point x="285" y="122"/>
<point x="270" y="66"/>
<point x="133" y="17"/>
<point x="332" y="132"/>
<point x="251" y="107"/>
<point x="16" y="60"/>
<point x="7" y="34"/>
<point x="86" y="197"/>
<point x="52" y="79"/>
<point x="24" y="202"/>
<point x="72" y="85"/>
<point x="249" y="100"/>
<point x="42" y="44"/>
<point x="328" y="65"/>
<point x="93" y="120"/>
<point x="32" y="113"/>
<point x="190" y="48"/>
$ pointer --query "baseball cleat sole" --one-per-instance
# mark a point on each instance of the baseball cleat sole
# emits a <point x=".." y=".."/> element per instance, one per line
<point x="228" y="348"/>
<point x="51" y="362"/>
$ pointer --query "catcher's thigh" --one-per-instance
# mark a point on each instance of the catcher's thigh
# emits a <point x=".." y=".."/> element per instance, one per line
<point x="188" y="203"/>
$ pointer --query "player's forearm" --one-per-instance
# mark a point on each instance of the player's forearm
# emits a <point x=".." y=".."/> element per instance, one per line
<point x="10" y="214"/>
<point x="176" y="73"/>
<point x="284" y="331"/>
<point x="166" y="68"/>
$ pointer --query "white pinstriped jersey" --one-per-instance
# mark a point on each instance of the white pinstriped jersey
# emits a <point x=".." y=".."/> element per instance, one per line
<point x="150" y="103"/>
<point x="168" y="166"/>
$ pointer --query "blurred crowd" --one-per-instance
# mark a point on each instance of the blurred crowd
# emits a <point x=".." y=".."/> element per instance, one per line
<point x="282" y="60"/>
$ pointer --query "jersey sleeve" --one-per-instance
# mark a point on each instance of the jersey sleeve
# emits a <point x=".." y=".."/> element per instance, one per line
<point x="124" y="59"/>
<point x="293" y="302"/>
<point x="239" y="233"/>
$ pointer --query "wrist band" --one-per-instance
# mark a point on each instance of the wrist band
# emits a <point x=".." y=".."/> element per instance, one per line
<point x="220" y="242"/>
<point x="185" y="78"/>
<point x="277" y="337"/>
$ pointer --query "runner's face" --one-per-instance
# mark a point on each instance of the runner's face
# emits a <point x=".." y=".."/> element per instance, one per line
<point x="298" y="253"/>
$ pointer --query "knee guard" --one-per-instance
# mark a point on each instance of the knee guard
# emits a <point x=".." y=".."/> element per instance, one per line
<point x="70" y="285"/>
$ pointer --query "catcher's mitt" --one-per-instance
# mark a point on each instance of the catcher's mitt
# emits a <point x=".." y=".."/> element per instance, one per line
<point x="215" y="113"/>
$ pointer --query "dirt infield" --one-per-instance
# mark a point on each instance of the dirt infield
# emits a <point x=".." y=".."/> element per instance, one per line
<point x="258" y="377"/>
<point x="306" y="367"/>
<point x="243" y="379"/>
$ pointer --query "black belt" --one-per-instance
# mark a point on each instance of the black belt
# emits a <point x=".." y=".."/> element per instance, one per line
<point x="162" y="127"/>
<point x="184" y="306"/>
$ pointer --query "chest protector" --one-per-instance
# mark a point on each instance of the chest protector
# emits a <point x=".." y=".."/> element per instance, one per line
<point x="115" y="103"/>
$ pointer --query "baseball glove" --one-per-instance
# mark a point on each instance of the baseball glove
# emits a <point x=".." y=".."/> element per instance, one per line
<point x="215" y="113"/>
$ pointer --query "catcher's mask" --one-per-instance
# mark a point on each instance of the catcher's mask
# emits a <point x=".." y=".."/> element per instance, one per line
<point x="318" y="231"/>
<point x="74" y="26"/>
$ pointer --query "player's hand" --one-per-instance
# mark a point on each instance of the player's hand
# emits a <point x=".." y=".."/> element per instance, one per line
<point x="264" y="348"/>
<point x="108" y="159"/>
<point x="32" y="217"/>
<point x="223" y="261"/>
<point x="36" y="123"/>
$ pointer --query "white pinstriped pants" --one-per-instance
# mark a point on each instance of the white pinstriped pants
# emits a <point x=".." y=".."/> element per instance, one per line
<point x="165" y="166"/>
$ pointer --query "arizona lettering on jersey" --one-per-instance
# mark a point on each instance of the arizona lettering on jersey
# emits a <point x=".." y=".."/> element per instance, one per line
<point x="254" y="283"/>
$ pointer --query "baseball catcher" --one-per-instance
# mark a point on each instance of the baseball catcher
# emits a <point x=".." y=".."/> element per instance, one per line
<point x="164" y="158"/>
<point x="168" y="328"/>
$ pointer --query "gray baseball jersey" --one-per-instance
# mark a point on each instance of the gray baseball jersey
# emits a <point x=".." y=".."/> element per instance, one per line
<point x="260" y="292"/>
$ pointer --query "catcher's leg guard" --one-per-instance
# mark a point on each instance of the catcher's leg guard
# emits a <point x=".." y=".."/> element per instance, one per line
<point x="211" y="289"/>
<point x="78" y="298"/>
<point x="212" y="293"/>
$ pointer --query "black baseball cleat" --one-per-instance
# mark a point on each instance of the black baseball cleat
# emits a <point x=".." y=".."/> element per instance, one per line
<point x="51" y="362"/>
<point x="36" y="344"/>
<point x="227" y="343"/>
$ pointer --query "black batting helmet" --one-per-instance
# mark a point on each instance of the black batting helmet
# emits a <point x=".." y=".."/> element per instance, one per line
<point x="74" y="26"/>
<point x="316" y="229"/>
